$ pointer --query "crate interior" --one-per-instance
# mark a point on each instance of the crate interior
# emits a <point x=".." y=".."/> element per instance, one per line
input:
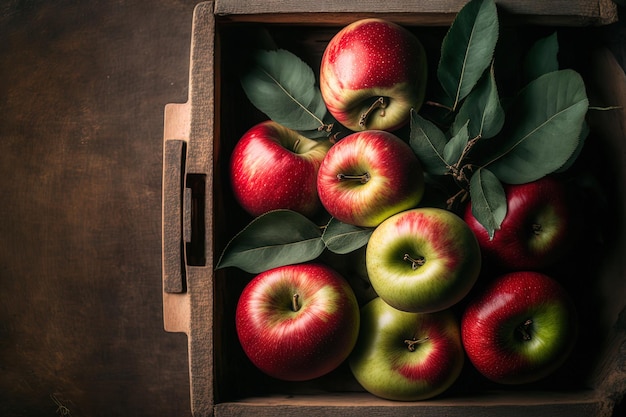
<point x="593" y="272"/>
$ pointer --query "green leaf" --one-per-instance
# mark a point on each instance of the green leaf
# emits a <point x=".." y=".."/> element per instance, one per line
<point x="456" y="145"/>
<point x="276" y="238"/>
<point x="542" y="58"/>
<point x="547" y="118"/>
<point x="488" y="200"/>
<point x="483" y="110"/>
<point x="428" y="143"/>
<point x="282" y="86"/>
<point x="581" y="143"/>
<point x="342" y="238"/>
<point x="467" y="49"/>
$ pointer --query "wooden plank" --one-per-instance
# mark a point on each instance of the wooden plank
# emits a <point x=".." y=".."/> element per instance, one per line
<point x="511" y="404"/>
<point x="200" y="161"/>
<point x="558" y="12"/>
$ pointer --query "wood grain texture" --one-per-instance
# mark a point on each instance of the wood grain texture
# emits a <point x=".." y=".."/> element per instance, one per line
<point x="83" y="87"/>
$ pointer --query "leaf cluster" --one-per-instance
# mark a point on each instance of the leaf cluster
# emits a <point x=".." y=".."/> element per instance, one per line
<point x="481" y="142"/>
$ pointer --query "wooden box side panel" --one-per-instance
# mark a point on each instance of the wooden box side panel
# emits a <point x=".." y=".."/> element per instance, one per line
<point x="424" y="12"/>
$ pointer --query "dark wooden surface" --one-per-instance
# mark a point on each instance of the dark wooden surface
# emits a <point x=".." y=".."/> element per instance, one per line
<point x="83" y="85"/>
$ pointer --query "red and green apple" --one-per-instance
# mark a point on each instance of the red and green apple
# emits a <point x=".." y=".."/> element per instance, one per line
<point x="406" y="356"/>
<point x="373" y="72"/>
<point x="368" y="176"/>
<point x="520" y="328"/>
<point x="536" y="230"/>
<point x="273" y="167"/>
<point x="423" y="260"/>
<point x="297" y="322"/>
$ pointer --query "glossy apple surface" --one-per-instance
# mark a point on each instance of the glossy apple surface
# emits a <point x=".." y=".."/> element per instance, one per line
<point x="371" y="60"/>
<point x="297" y="322"/>
<point x="406" y="356"/>
<point x="520" y="329"/>
<point x="273" y="167"/>
<point x="368" y="176"/>
<point x="423" y="260"/>
<point x="536" y="230"/>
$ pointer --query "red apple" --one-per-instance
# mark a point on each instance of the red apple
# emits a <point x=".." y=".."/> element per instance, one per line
<point x="368" y="176"/>
<point x="520" y="329"/>
<point x="372" y="73"/>
<point x="297" y="322"/>
<point x="273" y="167"/>
<point x="536" y="230"/>
<point x="406" y="356"/>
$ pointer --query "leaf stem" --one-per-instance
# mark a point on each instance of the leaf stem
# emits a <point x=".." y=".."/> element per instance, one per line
<point x="441" y="106"/>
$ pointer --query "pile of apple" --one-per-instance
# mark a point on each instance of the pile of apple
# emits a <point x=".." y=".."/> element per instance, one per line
<point x="405" y="341"/>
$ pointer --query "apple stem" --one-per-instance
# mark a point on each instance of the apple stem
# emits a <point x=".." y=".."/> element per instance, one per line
<point x="363" y="178"/>
<point x="295" y="146"/>
<point x="412" y="342"/>
<point x="415" y="263"/>
<point x="294" y="302"/>
<point x="380" y="103"/>
<point x="523" y="329"/>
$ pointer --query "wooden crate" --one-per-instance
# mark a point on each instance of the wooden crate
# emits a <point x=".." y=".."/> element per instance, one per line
<point x="200" y="216"/>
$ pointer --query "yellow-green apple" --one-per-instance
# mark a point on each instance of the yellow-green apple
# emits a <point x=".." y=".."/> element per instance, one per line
<point x="373" y="72"/>
<point x="536" y="230"/>
<point x="297" y="322"/>
<point x="273" y="167"/>
<point x="368" y="176"/>
<point x="423" y="260"/>
<point x="406" y="356"/>
<point x="520" y="328"/>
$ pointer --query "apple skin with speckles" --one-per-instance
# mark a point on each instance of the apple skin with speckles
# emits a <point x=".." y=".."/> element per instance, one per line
<point x="406" y="356"/>
<point x="369" y="176"/>
<point x="273" y="167"/>
<point x="537" y="230"/>
<point x="423" y="260"/>
<point x="373" y="59"/>
<point x="519" y="329"/>
<point x="297" y="322"/>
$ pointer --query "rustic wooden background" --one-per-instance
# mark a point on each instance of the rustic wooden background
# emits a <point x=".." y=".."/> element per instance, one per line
<point x="82" y="90"/>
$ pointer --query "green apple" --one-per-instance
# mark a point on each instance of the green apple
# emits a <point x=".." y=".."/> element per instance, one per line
<point x="423" y="260"/>
<point x="406" y="356"/>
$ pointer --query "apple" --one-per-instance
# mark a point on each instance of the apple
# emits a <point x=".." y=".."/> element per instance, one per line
<point x="406" y="356"/>
<point x="520" y="328"/>
<point x="297" y="322"/>
<point x="273" y="167"/>
<point x="536" y="231"/>
<point x="368" y="176"/>
<point x="423" y="260"/>
<point x="373" y="72"/>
